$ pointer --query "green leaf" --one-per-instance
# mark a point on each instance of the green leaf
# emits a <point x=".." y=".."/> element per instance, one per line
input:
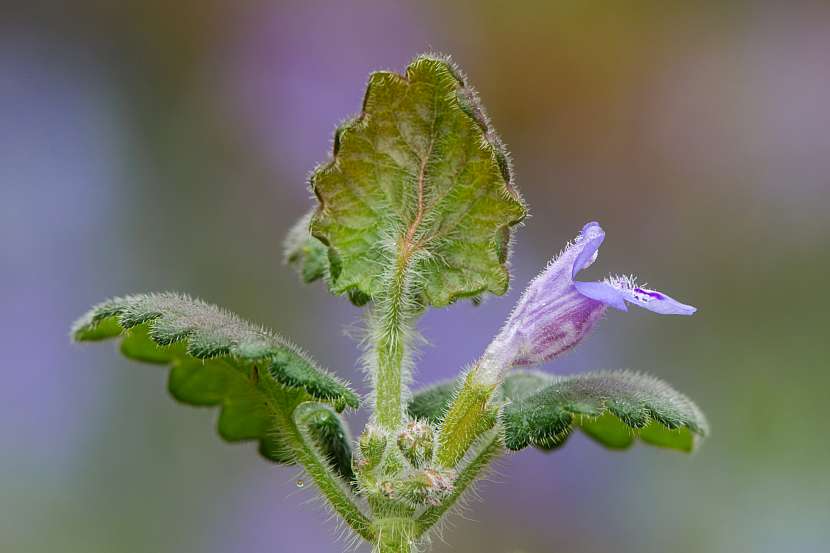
<point x="219" y="360"/>
<point x="431" y="403"/>
<point x="335" y="441"/>
<point x="310" y="258"/>
<point x="244" y="411"/>
<point x="612" y="407"/>
<point x="306" y="254"/>
<point x="419" y="176"/>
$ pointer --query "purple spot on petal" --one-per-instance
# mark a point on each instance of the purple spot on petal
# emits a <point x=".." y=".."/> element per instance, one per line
<point x="657" y="302"/>
<point x="648" y="295"/>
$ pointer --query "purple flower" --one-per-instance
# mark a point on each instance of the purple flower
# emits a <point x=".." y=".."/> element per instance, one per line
<point x="556" y="312"/>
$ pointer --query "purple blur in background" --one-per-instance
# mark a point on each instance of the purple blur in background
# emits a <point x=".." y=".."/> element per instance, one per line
<point x="165" y="146"/>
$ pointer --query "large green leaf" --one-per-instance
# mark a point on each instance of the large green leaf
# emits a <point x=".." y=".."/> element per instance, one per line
<point x="613" y="408"/>
<point x="219" y="360"/>
<point x="420" y="174"/>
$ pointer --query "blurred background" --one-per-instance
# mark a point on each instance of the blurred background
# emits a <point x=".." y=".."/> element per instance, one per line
<point x="164" y="146"/>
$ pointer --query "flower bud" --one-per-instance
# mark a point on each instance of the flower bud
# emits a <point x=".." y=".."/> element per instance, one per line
<point x="416" y="441"/>
<point x="372" y="444"/>
<point x="428" y="486"/>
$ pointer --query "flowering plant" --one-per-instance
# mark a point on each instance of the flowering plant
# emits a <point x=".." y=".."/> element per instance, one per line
<point x="416" y="209"/>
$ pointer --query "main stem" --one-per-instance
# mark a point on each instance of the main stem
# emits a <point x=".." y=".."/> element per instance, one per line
<point x="391" y="327"/>
<point x="395" y="535"/>
<point x="395" y="546"/>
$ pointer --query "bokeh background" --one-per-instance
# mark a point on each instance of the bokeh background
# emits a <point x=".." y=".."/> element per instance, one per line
<point x="164" y="146"/>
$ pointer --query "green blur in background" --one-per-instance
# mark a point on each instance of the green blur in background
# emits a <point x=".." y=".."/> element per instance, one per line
<point x="165" y="146"/>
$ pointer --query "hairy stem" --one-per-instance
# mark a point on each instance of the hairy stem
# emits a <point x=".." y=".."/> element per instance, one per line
<point x="298" y="436"/>
<point x="467" y="418"/>
<point x="490" y="447"/>
<point x="392" y="322"/>
<point x="395" y="535"/>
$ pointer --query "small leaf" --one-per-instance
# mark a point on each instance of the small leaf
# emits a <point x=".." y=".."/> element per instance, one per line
<point x="306" y="254"/>
<point x="335" y="441"/>
<point x="613" y="408"/>
<point x="219" y="360"/>
<point x="419" y="173"/>
<point x="313" y="260"/>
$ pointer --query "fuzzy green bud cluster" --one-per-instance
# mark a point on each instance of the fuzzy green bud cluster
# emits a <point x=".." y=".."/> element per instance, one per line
<point x="429" y="486"/>
<point x="369" y="464"/>
<point x="417" y="442"/>
<point x="372" y="446"/>
<point x="403" y="475"/>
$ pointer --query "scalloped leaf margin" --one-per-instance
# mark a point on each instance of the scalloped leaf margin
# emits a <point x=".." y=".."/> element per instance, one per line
<point x="419" y="170"/>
